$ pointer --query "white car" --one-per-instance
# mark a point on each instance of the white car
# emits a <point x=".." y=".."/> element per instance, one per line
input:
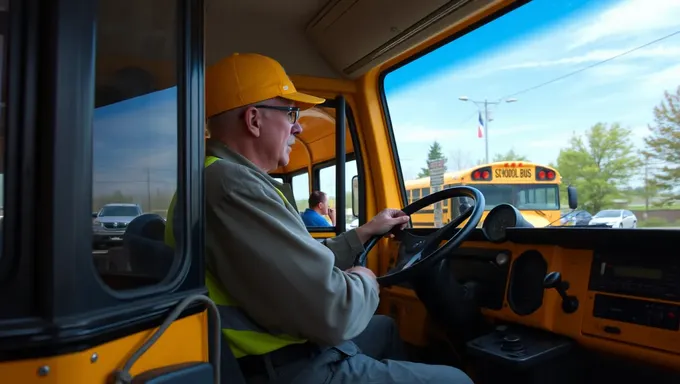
<point x="615" y="218"/>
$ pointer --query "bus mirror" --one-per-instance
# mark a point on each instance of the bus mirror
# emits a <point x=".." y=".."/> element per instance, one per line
<point x="355" y="196"/>
<point x="572" y="197"/>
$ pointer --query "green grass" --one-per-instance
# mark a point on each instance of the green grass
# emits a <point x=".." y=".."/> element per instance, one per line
<point x="675" y="207"/>
<point x="658" y="222"/>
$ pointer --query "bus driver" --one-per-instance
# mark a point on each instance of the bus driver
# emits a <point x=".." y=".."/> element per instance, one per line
<point x="293" y="309"/>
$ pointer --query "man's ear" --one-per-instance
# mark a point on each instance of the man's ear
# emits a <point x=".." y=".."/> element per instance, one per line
<point x="253" y="120"/>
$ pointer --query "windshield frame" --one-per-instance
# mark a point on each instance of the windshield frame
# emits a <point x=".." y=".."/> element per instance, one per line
<point x="397" y="63"/>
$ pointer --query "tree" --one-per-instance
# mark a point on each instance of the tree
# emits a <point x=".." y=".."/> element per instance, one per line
<point x="510" y="156"/>
<point x="460" y="160"/>
<point x="435" y="153"/>
<point x="598" y="164"/>
<point x="663" y="145"/>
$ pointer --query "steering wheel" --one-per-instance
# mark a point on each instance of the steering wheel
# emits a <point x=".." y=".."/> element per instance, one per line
<point x="416" y="252"/>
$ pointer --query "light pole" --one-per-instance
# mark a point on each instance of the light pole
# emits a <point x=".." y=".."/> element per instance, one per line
<point x="486" y="118"/>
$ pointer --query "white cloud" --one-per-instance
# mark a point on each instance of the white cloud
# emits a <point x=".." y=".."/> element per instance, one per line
<point x="628" y="18"/>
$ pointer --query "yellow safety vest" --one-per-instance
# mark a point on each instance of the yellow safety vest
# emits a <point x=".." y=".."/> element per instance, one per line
<point x="245" y="337"/>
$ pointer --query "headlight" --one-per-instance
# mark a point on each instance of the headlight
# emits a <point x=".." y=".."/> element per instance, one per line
<point x="97" y="223"/>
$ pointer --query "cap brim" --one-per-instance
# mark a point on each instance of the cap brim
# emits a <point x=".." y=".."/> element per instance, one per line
<point x="303" y="100"/>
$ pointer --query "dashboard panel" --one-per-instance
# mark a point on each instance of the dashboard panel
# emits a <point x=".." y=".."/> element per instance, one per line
<point x="626" y="285"/>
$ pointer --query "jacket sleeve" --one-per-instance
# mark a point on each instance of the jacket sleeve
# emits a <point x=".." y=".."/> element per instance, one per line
<point x="281" y="276"/>
<point x="346" y="246"/>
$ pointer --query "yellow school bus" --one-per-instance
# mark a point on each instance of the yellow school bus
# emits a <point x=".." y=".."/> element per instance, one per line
<point x="531" y="188"/>
<point x="102" y="102"/>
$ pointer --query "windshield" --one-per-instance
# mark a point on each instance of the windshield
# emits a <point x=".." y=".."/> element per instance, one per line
<point x="544" y="197"/>
<point x="608" y="214"/>
<point x="119" y="211"/>
<point x="589" y="88"/>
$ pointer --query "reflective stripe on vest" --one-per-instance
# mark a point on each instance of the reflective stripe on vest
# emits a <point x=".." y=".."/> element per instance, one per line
<point x="245" y="337"/>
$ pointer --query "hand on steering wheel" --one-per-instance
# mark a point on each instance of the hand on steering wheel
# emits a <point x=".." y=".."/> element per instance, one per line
<point x="419" y="252"/>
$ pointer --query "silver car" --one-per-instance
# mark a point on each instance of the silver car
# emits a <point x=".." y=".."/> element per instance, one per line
<point x="109" y="224"/>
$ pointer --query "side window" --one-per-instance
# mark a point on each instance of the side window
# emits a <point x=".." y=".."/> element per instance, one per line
<point x="134" y="138"/>
<point x="300" y="184"/>
<point x="327" y="185"/>
<point x="280" y="180"/>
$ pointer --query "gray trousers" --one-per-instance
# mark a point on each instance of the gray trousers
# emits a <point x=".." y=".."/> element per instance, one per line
<point x="375" y="356"/>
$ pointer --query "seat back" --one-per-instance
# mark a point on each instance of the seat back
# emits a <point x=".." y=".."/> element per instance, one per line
<point x="287" y="190"/>
<point x="148" y="254"/>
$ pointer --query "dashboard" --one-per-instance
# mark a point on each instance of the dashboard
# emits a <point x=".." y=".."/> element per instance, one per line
<point x="609" y="290"/>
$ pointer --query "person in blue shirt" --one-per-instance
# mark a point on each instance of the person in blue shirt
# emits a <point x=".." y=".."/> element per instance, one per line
<point x="318" y="208"/>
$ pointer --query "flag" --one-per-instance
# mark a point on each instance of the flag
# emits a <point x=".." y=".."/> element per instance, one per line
<point x="480" y="127"/>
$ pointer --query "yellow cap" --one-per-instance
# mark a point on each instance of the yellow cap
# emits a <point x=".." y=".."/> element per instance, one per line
<point x="242" y="79"/>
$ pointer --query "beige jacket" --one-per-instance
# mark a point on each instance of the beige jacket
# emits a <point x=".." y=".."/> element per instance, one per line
<point x="260" y="250"/>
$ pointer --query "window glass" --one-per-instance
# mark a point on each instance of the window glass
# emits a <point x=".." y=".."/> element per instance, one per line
<point x="4" y="21"/>
<point x="315" y="146"/>
<point x="300" y="184"/>
<point x="327" y="185"/>
<point x="507" y="101"/>
<point x="134" y="137"/>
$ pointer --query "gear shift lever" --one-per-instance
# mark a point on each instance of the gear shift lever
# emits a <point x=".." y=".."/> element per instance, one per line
<point x="554" y="280"/>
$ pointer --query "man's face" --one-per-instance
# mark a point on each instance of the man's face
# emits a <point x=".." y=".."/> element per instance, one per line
<point x="323" y="206"/>
<point x="278" y="132"/>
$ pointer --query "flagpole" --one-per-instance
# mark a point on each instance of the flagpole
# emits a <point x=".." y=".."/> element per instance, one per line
<point x="486" y="130"/>
<point x="486" y="119"/>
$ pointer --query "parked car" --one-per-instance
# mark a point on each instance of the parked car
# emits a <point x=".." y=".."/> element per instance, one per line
<point x="577" y="219"/>
<point x="615" y="218"/>
<point x="110" y="222"/>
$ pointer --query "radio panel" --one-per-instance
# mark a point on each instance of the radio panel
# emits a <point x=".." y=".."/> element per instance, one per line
<point x="640" y="312"/>
<point x="635" y="275"/>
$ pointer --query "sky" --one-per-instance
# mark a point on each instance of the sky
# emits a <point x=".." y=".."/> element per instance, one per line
<point x="549" y="39"/>
<point x="135" y="140"/>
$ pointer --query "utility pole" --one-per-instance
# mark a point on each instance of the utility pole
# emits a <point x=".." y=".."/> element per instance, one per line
<point x="486" y="119"/>
<point x="148" y="187"/>
<point x="647" y="184"/>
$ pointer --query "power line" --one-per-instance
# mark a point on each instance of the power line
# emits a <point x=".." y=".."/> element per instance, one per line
<point x="590" y="66"/>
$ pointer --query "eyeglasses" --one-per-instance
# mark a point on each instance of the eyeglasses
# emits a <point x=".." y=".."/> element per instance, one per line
<point x="292" y="112"/>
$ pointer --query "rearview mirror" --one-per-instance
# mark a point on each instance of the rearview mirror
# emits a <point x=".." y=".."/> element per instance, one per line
<point x="572" y="197"/>
<point x="355" y="196"/>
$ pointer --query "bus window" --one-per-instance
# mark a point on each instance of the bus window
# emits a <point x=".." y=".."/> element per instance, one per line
<point x="280" y="180"/>
<point x="134" y="140"/>
<point x="495" y="101"/>
<point x="300" y="184"/>
<point x="537" y="197"/>
<point x="327" y="185"/>
<point x="4" y="21"/>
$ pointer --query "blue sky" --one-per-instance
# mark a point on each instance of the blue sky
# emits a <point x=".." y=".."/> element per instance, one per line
<point x="538" y="42"/>
<point x="549" y="39"/>
<point x="135" y="141"/>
